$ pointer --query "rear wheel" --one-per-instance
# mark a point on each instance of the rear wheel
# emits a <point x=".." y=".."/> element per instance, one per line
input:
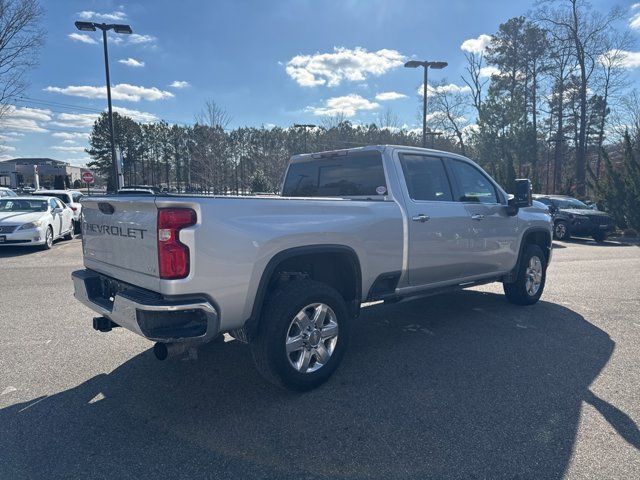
<point x="530" y="279"/>
<point x="302" y="336"/>
<point x="561" y="230"/>
<point x="69" y="236"/>
<point x="76" y="227"/>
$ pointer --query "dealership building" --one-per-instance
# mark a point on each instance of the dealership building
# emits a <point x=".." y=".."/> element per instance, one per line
<point x="19" y="172"/>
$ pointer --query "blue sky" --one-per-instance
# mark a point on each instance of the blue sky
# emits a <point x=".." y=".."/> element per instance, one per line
<point x="265" y="62"/>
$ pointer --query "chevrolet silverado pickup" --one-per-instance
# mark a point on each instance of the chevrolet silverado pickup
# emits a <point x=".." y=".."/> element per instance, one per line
<point x="288" y="274"/>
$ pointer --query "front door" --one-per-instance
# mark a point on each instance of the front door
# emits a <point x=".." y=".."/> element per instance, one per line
<point x="438" y="226"/>
<point x="493" y="233"/>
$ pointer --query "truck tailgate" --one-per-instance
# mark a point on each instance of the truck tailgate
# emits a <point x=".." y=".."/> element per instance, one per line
<point x="119" y="238"/>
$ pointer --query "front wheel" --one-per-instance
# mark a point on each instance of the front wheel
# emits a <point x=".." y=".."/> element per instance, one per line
<point x="48" y="239"/>
<point x="302" y="336"/>
<point x="530" y="279"/>
<point x="561" y="230"/>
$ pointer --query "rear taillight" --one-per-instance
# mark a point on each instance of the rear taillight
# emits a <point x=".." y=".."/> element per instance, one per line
<point x="173" y="256"/>
<point x="73" y="208"/>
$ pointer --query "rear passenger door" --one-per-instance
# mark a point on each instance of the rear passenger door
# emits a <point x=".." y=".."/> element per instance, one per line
<point x="438" y="226"/>
<point x="493" y="233"/>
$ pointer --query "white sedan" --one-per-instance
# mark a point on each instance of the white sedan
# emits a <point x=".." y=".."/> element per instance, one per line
<point x="34" y="221"/>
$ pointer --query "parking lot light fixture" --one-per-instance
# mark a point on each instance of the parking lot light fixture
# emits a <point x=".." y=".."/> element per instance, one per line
<point x="121" y="29"/>
<point x="426" y="65"/>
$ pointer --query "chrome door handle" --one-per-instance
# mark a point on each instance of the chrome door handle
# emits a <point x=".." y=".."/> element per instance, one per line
<point x="421" y="217"/>
<point x="477" y="216"/>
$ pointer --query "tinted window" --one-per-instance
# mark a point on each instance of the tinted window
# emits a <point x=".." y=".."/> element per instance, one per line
<point x="546" y="201"/>
<point x="426" y="178"/>
<point x="52" y="203"/>
<point x="76" y="197"/>
<point x="350" y="175"/>
<point x="473" y="186"/>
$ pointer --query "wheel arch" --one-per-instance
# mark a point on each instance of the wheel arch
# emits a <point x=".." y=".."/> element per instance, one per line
<point x="344" y="274"/>
<point x="536" y="236"/>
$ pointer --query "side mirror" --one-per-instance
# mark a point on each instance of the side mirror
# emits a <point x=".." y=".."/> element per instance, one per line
<point x="522" y="197"/>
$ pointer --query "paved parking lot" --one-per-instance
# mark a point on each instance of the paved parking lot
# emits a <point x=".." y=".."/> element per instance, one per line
<point x="458" y="386"/>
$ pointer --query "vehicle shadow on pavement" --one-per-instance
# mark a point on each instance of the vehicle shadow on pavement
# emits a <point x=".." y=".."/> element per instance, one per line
<point x="462" y="385"/>
<point x="6" y="251"/>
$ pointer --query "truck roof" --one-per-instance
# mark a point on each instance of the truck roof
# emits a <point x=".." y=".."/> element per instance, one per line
<point x="380" y="148"/>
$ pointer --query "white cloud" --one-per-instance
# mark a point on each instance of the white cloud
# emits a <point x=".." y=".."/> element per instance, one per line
<point x="137" y="115"/>
<point x="489" y="71"/>
<point x="131" y="62"/>
<point x="64" y="148"/>
<point x="384" y="96"/>
<point x="136" y="38"/>
<point x="121" y="91"/>
<point x="621" y="58"/>
<point x="82" y="37"/>
<point x="25" y="119"/>
<point x="75" y="120"/>
<point x="179" y="84"/>
<point x="450" y="88"/>
<point x="40" y="114"/>
<point x="71" y="135"/>
<point x="7" y="148"/>
<point x="347" y="105"/>
<point x="342" y="64"/>
<point x="476" y="45"/>
<point x="634" y="21"/>
<point x="118" y="15"/>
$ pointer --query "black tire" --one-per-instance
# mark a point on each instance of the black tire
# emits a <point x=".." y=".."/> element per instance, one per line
<point x="516" y="292"/>
<point x="561" y="230"/>
<point x="69" y="236"/>
<point x="76" y="227"/>
<point x="599" y="236"/>
<point x="269" y="350"/>
<point x="48" y="239"/>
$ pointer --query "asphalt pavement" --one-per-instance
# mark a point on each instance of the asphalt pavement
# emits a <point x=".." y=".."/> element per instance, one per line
<point x="463" y="385"/>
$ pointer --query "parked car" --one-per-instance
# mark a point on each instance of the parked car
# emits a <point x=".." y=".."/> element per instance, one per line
<point x="34" y="221"/>
<point x="288" y="274"/>
<point x="571" y="217"/>
<point x="7" y="192"/>
<point x="71" y="198"/>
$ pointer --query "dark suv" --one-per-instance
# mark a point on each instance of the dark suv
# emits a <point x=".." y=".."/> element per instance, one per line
<point x="573" y="217"/>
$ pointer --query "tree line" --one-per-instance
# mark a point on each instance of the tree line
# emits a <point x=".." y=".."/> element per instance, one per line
<point x="547" y="98"/>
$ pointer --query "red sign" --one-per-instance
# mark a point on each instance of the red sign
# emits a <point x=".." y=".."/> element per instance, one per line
<point x="87" y="177"/>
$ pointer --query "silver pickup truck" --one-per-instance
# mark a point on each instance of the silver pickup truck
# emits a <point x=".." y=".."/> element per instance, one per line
<point x="288" y="274"/>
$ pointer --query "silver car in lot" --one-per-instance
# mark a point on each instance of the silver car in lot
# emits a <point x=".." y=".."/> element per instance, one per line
<point x="28" y="221"/>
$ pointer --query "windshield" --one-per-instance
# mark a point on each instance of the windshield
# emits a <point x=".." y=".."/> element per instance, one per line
<point x="13" y="205"/>
<point x="570" y="203"/>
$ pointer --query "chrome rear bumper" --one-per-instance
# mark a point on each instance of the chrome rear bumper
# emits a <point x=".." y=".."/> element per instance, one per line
<point x="147" y="313"/>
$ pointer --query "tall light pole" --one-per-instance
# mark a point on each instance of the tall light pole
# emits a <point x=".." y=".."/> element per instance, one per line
<point x="117" y="28"/>
<point x="426" y="65"/>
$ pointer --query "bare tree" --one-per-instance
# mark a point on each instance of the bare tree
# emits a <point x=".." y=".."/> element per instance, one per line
<point x="474" y="78"/>
<point x="20" y="41"/>
<point x="611" y="78"/>
<point x="449" y="110"/>
<point x="586" y="30"/>
<point x="213" y="115"/>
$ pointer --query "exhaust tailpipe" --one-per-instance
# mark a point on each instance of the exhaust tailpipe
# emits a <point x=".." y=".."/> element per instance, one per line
<point x="162" y="351"/>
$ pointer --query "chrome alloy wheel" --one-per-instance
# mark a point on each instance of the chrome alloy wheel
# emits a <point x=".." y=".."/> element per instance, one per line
<point x="312" y="337"/>
<point x="533" y="276"/>
<point x="49" y="237"/>
<point x="561" y="230"/>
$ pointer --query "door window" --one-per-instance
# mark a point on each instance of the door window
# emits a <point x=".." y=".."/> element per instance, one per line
<point x="52" y="203"/>
<point x="473" y="185"/>
<point x="426" y="178"/>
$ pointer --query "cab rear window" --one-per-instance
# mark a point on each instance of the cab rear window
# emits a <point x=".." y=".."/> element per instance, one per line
<point x="351" y="175"/>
